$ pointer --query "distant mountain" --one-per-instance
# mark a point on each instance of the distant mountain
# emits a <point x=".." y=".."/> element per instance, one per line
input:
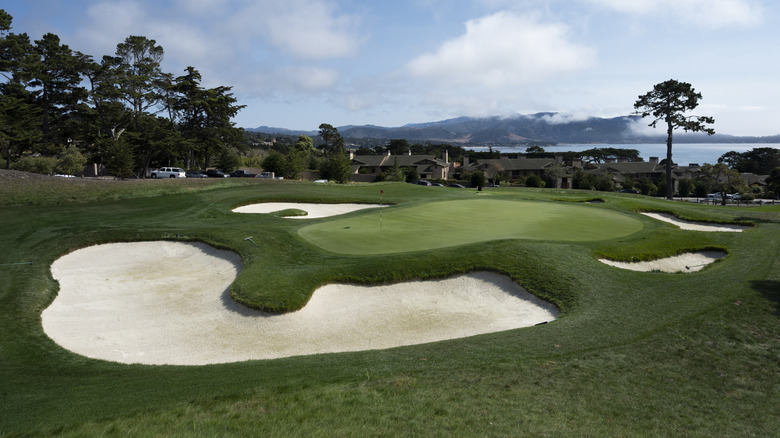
<point x="272" y="130"/>
<point x="522" y="129"/>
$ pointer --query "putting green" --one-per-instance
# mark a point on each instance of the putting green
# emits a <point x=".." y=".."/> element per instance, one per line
<point x="451" y="223"/>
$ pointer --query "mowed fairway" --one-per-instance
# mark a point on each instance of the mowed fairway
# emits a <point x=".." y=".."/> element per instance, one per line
<point x="451" y="223"/>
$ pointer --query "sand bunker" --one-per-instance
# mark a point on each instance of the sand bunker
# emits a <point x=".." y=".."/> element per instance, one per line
<point x="168" y="303"/>
<point x="314" y="210"/>
<point x="695" y="226"/>
<point x="690" y="262"/>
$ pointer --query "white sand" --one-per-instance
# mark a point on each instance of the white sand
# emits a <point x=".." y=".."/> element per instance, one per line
<point x="169" y="303"/>
<point x="695" y="226"/>
<point x="690" y="262"/>
<point x="314" y="210"/>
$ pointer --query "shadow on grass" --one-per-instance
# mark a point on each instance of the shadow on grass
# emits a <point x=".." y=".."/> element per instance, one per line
<point x="770" y="289"/>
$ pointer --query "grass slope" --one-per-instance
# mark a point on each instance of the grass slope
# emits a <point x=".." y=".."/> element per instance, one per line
<point x="645" y="354"/>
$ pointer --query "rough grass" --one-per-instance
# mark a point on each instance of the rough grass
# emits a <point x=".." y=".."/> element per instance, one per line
<point x="634" y="354"/>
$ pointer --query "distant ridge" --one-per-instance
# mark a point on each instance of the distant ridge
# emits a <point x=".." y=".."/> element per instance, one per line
<point x="549" y="127"/>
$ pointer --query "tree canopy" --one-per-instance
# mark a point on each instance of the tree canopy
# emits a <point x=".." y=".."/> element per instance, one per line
<point x="760" y="161"/>
<point x="123" y="107"/>
<point x="670" y="102"/>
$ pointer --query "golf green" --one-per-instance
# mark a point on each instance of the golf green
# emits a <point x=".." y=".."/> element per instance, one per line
<point x="451" y="223"/>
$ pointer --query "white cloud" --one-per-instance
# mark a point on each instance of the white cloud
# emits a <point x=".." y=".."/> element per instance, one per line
<point x="312" y="29"/>
<point x="500" y="65"/>
<point x="109" y="24"/>
<point x="707" y="13"/>
<point x="503" y="50"/>
<point x="315" y="78"/>
<point x="304" y="29"/>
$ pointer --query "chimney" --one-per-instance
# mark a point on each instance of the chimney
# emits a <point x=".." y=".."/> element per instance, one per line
<point x="409" y="152"/>
<point x="351" y="155"/>
<point x="465" y="160"/>
<point x="610" y="160"/>
<point x="388" y="153"/>
<point x="654" y="160"/>
<point x="446" y="156"/>
<point x="576" y="163"/>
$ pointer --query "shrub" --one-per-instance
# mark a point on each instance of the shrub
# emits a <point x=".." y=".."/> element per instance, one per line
<point x="646" y="187"/>
<point x="685" y="187"/>
<point x="411" y="174"/>
<point x="42" y="165"/>
<point x="604" y="183"/>
<point x="277" y="163"/>
<point x="228" y="160"/>
<point x="534" y="181"/>
<point x="71" y="162"/>
<point x="477" y="179"/>
<point x="700" y="189"/>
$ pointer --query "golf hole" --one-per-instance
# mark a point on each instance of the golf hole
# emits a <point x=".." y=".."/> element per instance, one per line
<point x="169" y="303"/>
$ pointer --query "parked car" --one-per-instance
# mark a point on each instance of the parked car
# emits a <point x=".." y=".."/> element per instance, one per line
<point x="423" y="183"/>
<point x="242" y="174"/>
<point x="266" y="175"/>
<point x="634" y="191"/>
<point x="168" y="172"/>
<point x="719" y="196"/>
<point x="456" y="186"/>
<point x="196" y="174"/>
<point x="214" y="173"/>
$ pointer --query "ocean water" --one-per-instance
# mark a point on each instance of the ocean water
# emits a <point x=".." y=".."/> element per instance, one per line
<point x="682" y="154"/>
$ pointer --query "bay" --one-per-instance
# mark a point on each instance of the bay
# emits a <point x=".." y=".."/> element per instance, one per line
<point x="683" y="154"/>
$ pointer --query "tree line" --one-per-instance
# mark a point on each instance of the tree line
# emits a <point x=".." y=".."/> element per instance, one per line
<point x="61" y="108"/>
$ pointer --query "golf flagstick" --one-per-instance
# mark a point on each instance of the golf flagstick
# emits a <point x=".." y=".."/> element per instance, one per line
<point x="381" y="192"/>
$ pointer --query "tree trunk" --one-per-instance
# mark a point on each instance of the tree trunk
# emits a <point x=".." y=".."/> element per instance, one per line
<point x="669" y="182"/>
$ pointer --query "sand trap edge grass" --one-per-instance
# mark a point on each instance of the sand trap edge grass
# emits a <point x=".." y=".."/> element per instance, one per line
<point x="135" y="303"/>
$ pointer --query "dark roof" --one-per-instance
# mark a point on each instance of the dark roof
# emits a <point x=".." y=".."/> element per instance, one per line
<point x="402" y="160"/>
<point x="631" y="167"/>
<point x="509" y="164"/>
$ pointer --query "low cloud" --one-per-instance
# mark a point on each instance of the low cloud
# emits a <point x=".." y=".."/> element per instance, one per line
<point x="561" y="118"/>
<point x="641" y="127"/>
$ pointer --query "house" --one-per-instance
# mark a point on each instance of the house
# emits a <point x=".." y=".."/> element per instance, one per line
<point x="427" y="166"/>
<point x="516" y="168"/>
<point x="619" y="170"/>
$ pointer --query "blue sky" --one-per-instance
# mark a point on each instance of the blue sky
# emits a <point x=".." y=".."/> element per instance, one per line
<point x="298" y="63"/>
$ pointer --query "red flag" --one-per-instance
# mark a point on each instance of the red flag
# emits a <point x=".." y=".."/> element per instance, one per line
<point x="381" y="192"/>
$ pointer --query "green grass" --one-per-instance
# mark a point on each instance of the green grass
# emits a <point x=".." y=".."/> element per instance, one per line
<point x="433" y="225"/>
<point x="633" y="354"/>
